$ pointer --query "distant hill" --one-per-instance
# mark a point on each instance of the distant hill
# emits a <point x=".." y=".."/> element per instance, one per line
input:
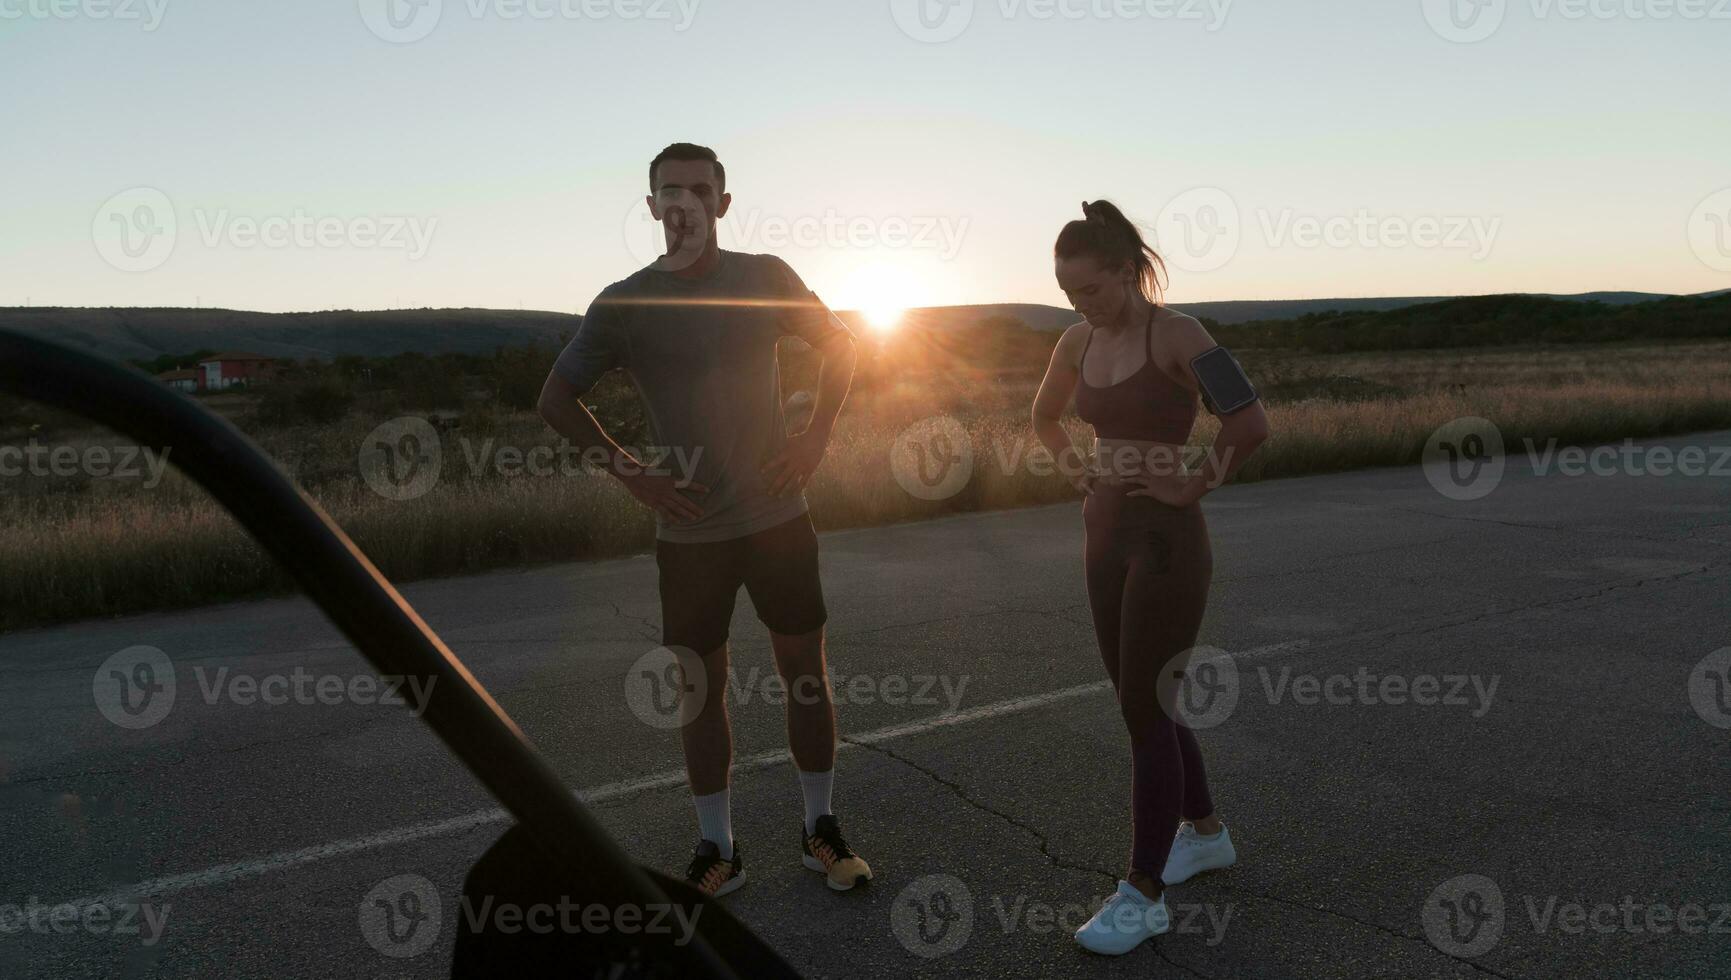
<point x="147" y="333"/>
<point x="1490" y="321"/>
<point x="144" y="334"/>
<point x="1041" y="317"/>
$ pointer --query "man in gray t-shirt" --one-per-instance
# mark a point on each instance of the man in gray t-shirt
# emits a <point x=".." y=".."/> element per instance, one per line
<point x="702" y="354"/>
<point x="697" y="333"/>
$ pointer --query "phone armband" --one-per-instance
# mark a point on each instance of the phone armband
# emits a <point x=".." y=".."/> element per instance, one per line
<point x="1224" y="385"/>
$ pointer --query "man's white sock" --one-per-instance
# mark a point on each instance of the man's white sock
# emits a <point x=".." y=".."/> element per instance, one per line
<point x="715" y="820"/>
<point x="817" y="787"/>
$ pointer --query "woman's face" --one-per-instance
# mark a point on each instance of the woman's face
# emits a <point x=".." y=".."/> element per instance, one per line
<point x="1101" y="295"/>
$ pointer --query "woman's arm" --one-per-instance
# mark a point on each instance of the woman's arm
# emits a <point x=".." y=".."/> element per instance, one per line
<point x="1055" y="391"/>
<point x="1182" y="338"/>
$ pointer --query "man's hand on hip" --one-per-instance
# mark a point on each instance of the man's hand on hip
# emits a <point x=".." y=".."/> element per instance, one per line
<point x="662" y="495"/>
<point x="791" y="469"/>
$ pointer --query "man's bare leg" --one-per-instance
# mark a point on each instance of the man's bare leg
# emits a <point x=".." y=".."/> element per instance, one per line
<point x="810" y="709"/>
<point x="707" y="738"/>
<point x="811" y="738"/>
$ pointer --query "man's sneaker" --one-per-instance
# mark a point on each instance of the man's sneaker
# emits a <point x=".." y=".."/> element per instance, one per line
<point x="1193" y="854"/>
<point x="713" y="874"/>
<point x="826" y="851"/>
<point x="1127" y="918"/>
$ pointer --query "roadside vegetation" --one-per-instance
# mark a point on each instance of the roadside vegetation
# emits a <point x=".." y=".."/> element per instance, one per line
<point x="1344" y="392"/>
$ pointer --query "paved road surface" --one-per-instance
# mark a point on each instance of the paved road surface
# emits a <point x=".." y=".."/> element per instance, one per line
<point x="1561" y="620"/>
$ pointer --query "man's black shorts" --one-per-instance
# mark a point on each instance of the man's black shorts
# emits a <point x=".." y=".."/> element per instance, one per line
<point x="699" y="583"/>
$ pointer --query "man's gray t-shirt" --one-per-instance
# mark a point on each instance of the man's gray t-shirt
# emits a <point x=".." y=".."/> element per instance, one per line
<point x="702" y="353"/>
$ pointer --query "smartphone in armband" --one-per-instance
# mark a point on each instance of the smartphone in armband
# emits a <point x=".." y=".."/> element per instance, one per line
<point x="1225" y="387"/>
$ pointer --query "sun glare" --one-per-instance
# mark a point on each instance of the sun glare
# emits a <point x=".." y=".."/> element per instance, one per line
<point x="883" y="295"/>
<point x="884" y="318"/>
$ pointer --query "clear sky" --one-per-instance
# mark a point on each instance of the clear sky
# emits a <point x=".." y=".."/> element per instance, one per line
<point x="315" y="154"/>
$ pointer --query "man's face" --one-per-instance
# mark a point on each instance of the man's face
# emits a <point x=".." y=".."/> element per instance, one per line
<point x="688" y="200"/>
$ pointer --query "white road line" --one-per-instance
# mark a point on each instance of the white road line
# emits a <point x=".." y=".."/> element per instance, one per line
<point x="223" y="874"/>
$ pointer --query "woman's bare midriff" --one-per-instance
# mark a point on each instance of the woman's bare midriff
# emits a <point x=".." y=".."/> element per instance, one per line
<point x="1116" y="459"/>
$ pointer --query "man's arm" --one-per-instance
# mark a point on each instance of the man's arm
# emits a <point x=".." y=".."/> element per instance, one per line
<point x="793" y="467"/>
<point x="592" y="353"/>
<point x="810" y="320"/>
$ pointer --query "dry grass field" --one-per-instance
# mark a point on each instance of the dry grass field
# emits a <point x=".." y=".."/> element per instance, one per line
<point x="79" y="545"/>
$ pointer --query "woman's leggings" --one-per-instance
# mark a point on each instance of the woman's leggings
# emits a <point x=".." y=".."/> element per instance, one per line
<point x="1148" y="568"/>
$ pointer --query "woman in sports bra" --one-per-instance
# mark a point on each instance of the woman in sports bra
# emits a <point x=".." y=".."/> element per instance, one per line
<point x="1146" y="553"/>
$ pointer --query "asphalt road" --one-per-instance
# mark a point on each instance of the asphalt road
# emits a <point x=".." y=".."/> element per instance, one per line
<point x="1426" y="689"/>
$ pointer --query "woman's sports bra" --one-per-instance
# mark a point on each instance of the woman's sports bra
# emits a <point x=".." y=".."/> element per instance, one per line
<point x="1147" y="406"/>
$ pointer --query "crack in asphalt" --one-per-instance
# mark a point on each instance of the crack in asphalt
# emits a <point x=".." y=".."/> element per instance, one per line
<point x="1045" y="850"/>
<point x="1363" y="922"/>
<point x="1032" y="831"/>
<point x="1587" y="596"/>
<point x="651" y="629"/>
<point x="1565" y="528"/>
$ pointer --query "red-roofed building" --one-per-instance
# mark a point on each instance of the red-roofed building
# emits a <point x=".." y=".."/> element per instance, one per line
<point x="232" y="368"/>
<point x="185" y="379"/>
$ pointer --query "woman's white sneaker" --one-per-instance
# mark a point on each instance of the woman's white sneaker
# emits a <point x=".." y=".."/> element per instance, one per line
<point x="1193" y="854"/>
<point x="1127" y="918"/>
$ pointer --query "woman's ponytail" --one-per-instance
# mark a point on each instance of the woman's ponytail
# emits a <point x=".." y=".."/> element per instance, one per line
<point x="1112" y="240"/>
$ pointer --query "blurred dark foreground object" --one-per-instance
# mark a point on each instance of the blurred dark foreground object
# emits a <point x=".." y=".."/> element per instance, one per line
<point x="515" y="874"/>
<point x="556" y="850"/>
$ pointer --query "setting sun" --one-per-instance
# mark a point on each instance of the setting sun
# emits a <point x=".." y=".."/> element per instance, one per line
<point x="883" y="319"/>
<point x="883" y="294"/>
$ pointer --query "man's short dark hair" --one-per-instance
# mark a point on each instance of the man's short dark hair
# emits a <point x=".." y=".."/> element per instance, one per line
<point x="689" y="151"/>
